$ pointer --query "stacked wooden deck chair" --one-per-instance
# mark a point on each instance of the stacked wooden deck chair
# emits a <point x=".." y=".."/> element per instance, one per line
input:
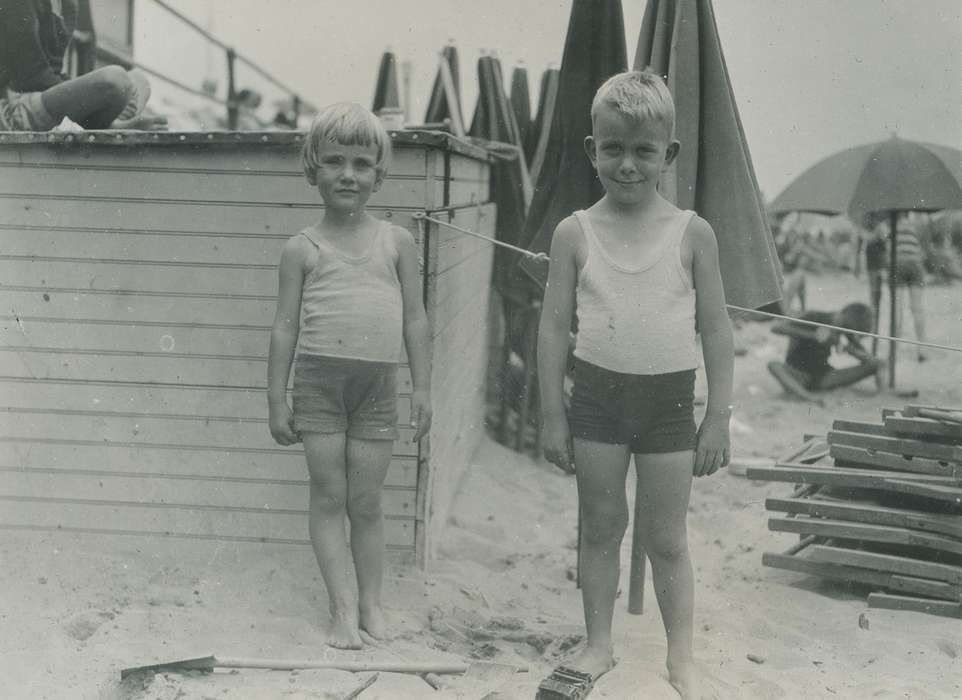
<point x="878" y="504"/>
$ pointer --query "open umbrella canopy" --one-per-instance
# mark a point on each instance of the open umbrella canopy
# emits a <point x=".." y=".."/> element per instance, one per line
<point x="713" y="173"/>
<point x="440" y="106"/>
<point x="594" y="51"/>
<point x="385" y="89"/>
<point x="891" y="175"/>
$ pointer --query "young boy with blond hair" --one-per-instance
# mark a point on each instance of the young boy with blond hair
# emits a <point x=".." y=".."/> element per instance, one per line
<point x="642" y="277"/>
<point x="349" y="291"/>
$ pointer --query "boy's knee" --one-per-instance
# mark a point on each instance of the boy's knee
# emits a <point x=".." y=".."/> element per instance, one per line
<point x="326" y="499"/>
<point x="667" y="545"/>
<point x="603" y="526"/>
<point x="113" y="83"/>
<point x="365" y="506"/>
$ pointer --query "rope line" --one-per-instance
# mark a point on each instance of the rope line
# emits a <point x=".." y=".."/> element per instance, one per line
<point x="541" y="257"/>
<point x="846" y="330"/>
<point x="421" y="217"/>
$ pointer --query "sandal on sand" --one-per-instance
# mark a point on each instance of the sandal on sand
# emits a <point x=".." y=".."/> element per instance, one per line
<point x="566" y="684"/>
<point x="139" y="95"/>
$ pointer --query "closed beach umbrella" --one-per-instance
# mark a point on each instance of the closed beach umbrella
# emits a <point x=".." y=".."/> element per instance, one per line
<point x="493" y="116"/>
<point x="439" y="107"/>
<point x="521" y="104"/>
<point x="536" y="148"/>
<point x="713" y="173"/>
<point x="594" y="50"/>
<point x="494" y="121"/>
<point x="385" y="89"/>
<point x="877" y="181"/>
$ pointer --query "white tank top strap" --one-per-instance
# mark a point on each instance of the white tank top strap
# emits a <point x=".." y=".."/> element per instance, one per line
<point x="311" y="234"/>
<point x="670" y="244"/>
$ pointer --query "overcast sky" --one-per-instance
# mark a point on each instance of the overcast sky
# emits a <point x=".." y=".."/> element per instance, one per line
<point x="810" y="76"/>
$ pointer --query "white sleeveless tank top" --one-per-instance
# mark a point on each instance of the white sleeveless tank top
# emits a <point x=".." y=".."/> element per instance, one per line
<point x="637" y="320"/>
<point x="351" y="306"/>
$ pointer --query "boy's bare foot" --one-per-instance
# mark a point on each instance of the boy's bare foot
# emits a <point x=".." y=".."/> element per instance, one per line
<point x="142" y="122"/>
<point x="372" y="621"/>
<point x="596" y="662"/>
<point x="344" y="631"/>
<point x="690" y="681"/>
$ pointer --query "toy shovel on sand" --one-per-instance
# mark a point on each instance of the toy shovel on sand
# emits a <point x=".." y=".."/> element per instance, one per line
<point x="209" y="663"/>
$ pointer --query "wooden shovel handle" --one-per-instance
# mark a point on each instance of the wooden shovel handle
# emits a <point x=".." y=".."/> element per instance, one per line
<point x="939" y="414"/>
<point x="353" y="666"/>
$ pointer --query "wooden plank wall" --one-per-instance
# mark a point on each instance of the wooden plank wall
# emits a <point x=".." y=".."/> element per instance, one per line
<point x="138" y="287"/>
<point x="458" y="291"/>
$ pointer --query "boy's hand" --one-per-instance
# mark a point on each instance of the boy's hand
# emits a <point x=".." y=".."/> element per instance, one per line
<point x="420" y="413"/>
<point x="712" y="450"/>
<point x="556" y="444"/>
<point x="282" y="424"/>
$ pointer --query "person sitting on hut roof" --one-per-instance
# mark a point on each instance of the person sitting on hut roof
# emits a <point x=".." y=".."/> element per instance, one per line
<point x="35" y="94"/>
<point x="806" y="370"/>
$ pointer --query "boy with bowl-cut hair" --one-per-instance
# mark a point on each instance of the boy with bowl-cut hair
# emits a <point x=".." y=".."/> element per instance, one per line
<point x="349" y="292"/>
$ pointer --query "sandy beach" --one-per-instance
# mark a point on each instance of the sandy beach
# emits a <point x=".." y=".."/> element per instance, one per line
<point x="77" y="609"/>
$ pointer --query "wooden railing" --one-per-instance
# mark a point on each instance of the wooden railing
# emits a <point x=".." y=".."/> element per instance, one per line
<point x="89" y="53"/>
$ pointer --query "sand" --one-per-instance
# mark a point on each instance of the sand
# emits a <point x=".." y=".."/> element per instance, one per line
<point x="76" y="609"/>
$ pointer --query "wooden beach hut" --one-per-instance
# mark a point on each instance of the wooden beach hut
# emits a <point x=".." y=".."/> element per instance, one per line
<point x="138" y="278"/>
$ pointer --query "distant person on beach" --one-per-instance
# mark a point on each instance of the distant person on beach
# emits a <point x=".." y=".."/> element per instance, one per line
<point x="348" y="294"/>
<point x="806" y="371"/>
<point x="642" y="277"/>
<point x="35" y="94"/>
<point x="910" y="275"/>
<point x="788" y="245"/>
<point x="876" y="267"/>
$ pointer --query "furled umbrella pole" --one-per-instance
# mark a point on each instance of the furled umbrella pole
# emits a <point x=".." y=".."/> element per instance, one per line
<point x="521" y="104"/>
<point x="445" y="100"/>
<point x="594" y="50"/>
<point x="386" y="94"/>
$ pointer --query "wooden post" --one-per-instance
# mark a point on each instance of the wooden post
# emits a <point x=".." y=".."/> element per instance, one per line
<point x="893" y="301"/>
<point x="636" y="572"/>
<point x="232" y="111"/>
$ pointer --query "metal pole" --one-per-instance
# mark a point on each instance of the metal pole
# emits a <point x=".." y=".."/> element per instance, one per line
<point x="893" y="303"/>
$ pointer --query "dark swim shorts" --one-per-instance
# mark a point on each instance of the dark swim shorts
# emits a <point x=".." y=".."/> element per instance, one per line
<point x="339" y="394"/>
<point x="909" y="272"/>
<point x="651" y="413"/>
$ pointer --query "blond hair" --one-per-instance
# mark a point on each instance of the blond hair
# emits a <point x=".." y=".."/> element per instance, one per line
<point x="346" y="123"/>
<point x="641" y="95"/>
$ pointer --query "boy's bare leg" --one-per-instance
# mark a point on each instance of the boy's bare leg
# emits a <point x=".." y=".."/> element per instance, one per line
<point x="845" y="376"/>
<point x="790" y="384"/>
<point x="661" y="505"/>
<point x="601" y="470"/>
<point x="93" y="100"/>
<point x="367" y="465"/>
<point x="918" y="317"/>
<point x="326" y="465"/>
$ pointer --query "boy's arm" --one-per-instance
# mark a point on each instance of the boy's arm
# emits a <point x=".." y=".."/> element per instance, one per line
<point x="711" y="317"/>
<point x="797" y="330"/>
<point x="553" y="342"/>
<point x="417" y="338"/>
<point x="284" y="339"/>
